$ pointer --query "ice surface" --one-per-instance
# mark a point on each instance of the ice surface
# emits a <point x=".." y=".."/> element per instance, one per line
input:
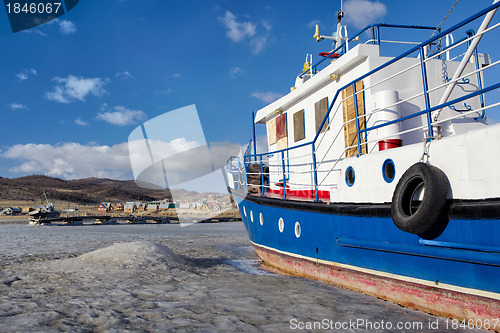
<point x="132" y="254"/>
<point x="143" y="278"/>
<point x="250" y="266"/>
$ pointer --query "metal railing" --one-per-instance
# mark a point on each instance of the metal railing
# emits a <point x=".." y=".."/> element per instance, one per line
<point x="343" y="48"/>
<point x="281" y="163"/>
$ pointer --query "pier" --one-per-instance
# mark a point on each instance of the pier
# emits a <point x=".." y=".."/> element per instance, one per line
<point x="109" y="219"/>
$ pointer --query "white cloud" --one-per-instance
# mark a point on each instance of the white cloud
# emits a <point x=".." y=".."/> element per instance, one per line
<point x="71" y="160"/>
<point x="178" y="161"/>
<point x="22" y="76"/>
<point x="312" y="24"/>
<point x="267" y="25"/>
<point x="120" y="115"/>
<point x="17" y="106"/>
<point x="81" y="122"/>
<point x="143" y="156"/>
<point x="167" y="91"/>
<point x="267" y="97"/>
<point x="176" y="75"/>
<point x="237" y="31"/>
<point x="262" y="144"/>
<point x="363" y="12"/>
<point x="75" y="88"/>
<point x="258" y="44"/>
<point x="26" y="73"/>
<point x="35" y="31"/>
<point x="124" y="75"/>
<point x="236" y="71"/>
<point x="66" y="27"/>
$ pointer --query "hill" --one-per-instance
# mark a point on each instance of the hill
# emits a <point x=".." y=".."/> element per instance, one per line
<point x="82" y="191"/>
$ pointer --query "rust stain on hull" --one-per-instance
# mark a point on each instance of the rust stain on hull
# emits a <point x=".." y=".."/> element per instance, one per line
<point x="434" y="300"/>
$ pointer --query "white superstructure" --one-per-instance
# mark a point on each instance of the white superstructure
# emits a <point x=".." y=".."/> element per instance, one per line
<point x="331" y="164"/>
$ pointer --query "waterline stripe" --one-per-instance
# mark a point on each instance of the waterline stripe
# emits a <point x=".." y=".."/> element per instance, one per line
<point x="403" y="278"/>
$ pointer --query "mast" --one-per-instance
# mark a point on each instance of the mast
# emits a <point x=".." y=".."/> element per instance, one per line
<point x="45" y="195"/>
<point x="337" y="36"/>
<point x="340" y="15"/>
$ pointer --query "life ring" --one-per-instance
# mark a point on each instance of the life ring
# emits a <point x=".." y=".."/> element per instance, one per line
<point x="408" y="213"/>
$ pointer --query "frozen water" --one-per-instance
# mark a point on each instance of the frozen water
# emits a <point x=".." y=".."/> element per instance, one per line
<point x="132" y="254"/>
<point x="202" y="278"/>
<point x="250" y="266"/>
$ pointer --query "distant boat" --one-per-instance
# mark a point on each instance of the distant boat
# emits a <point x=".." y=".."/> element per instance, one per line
<point x="44" y="212"/>
<point x="382" y="172"/>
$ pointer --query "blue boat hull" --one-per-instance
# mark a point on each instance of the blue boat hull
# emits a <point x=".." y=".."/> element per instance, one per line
<point x="464" y="255"/>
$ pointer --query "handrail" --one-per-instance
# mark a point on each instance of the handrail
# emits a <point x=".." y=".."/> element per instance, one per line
<point x="390" y="62"/>
<point x="440" y="106"/>
<point x="428" y="109"/>
<point x="359" y="33"/>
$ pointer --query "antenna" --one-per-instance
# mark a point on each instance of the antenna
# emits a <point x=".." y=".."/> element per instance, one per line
<point x="336" y="37"/>
<point x="340" y="13"/>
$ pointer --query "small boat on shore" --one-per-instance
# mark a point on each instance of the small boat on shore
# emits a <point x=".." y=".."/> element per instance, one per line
<point x="381" y="173"/>
<point x="45" y="212"/>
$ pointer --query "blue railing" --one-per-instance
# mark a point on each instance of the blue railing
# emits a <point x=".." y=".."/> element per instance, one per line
<point x="428" y="109"/>
<point x="376" y="32"/>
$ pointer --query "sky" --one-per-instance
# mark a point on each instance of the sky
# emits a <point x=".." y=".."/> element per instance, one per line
<point x="74" y="89"/>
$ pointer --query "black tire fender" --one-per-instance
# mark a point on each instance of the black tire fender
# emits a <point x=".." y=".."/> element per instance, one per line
<point x="419" y="219"/>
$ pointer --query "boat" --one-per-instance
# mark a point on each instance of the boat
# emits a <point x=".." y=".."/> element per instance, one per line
<point x="381" y="170"/>
<point x="44" y="213"/>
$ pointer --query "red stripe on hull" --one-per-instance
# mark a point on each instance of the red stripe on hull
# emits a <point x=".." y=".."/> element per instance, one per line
<point x="307" y="194"/>
<point x="437" y="301"/>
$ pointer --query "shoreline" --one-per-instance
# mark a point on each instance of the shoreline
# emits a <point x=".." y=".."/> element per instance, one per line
<point x="23" y="220"/>
<point x="14" y="220"/>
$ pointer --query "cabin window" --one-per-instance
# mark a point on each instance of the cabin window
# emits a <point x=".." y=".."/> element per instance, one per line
<point x="271" y="132"/>
<point x="321" y="108"/>
<point x="299" y="130"/>
<point x="350" y="130"/>
<point x="281" y="126"/>
<point x="277" y="132"/>
<point x="281" y="132"/>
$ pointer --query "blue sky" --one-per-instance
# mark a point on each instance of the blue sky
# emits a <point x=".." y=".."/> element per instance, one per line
<point x="73" y="90"/>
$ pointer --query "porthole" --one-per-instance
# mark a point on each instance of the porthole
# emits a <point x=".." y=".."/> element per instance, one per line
<point x="244" y="211"/>
<point x="388" y="170"/>
<point x="261" y="219"/>
<point x="297" y="229"/>
<point x="251" y="216"/>
<point x="350" y="176"/>
<point x="281" y="224"/>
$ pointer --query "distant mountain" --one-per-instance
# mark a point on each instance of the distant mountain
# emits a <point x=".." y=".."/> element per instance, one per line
<point x="83" y="191"/>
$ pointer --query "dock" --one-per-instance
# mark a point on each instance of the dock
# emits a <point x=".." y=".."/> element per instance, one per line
<point x="109" y="219"/>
